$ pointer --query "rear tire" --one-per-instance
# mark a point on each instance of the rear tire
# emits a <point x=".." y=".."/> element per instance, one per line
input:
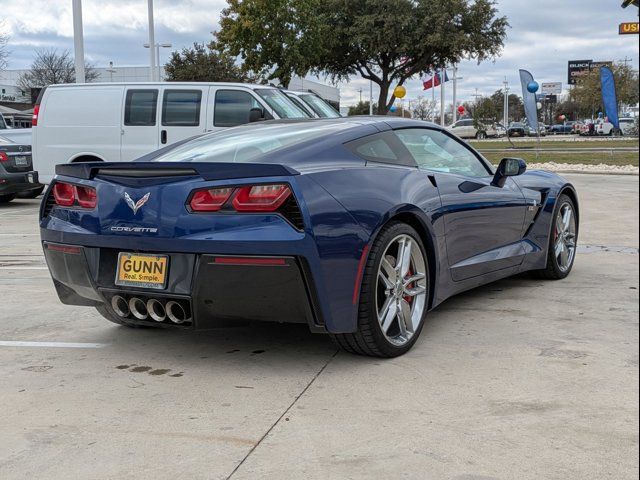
<point x="481" y="136"/>
<point x="564" y="235"/>
<point x="107" y="313"/>
<point x="7" y="198"/>
<point x="387" y="294"/>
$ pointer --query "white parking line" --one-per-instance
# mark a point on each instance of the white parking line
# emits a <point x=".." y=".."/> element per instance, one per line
<point x="7" y="343"/>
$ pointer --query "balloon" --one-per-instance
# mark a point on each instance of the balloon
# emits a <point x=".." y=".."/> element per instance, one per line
<point x="539" y="105"/>
<point x="393" y="108"/>
<point x="562" y="117"/>
<point x="533" y="87"/>
<point x="600" y="114"/>
<point x="399" y="91"/>
<point x="460" y="109"/>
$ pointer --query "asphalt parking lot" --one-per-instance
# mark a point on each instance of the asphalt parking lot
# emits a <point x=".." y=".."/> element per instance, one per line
<point x="521" y="379"/>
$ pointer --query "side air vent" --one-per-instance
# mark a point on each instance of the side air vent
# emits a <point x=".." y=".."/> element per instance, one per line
<point x="48" y="203"/>
<point x="291" y="211"/>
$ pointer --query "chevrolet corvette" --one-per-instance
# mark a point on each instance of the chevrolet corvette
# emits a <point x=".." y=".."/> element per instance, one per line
<point x="357" y="227"/>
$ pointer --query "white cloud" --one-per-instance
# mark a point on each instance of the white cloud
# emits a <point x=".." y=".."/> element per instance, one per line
<point x="543" y="36"/>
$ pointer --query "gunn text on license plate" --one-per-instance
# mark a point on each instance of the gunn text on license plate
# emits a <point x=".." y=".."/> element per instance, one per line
<point x="142" y="271"/>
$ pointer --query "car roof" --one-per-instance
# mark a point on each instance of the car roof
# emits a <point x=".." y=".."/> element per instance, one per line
<point x="251" y="86"/>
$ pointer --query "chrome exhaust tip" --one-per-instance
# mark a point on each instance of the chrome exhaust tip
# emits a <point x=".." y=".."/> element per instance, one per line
<point x="156" y="310"/>
<point x="176" y="312"/>
<point x="138" y="308"/>
<point x="120" y="306"/>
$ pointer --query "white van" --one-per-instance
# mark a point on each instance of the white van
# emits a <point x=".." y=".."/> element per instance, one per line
<point x="123" y="121"/>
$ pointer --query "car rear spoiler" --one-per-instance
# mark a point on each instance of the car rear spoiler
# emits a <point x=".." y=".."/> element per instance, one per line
<point x="207" y="171"/>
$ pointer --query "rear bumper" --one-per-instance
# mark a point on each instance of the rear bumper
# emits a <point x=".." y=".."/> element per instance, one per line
<point x="214" y="289"/>
<point x="18" y="182"/>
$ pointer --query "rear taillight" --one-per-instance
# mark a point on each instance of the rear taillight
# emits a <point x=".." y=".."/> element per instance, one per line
<point x="68" y="195"/>
<point x="210" y="200"/>
<point x="261" y="198"/>
<point x="34" y="117"/>
<point x="3" y="157"/>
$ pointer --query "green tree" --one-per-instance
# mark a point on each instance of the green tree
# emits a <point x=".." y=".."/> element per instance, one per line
<point x="516" y="107"/>
<point x="361" y="108"/>
<point x="204" y="64"/>
<point x="587" y="93"/>
<point x="385" y="41"/>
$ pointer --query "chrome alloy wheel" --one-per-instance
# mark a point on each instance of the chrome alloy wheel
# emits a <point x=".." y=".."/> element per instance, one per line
<point x="401" y="289"/>
<point x="565" y="237"/>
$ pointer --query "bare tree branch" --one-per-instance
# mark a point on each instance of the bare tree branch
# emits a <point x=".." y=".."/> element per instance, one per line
<point x="51" y="67"/>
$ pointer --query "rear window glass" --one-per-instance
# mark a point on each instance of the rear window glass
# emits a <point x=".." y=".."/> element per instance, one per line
<point x="247" y="143"/>
<point x="140" y="108"/>
<point x="181" y="108"/>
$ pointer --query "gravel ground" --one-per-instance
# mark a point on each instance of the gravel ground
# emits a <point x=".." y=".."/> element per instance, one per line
<point x="582" y="168"/>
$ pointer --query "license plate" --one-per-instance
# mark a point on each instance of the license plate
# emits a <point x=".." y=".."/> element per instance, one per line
<point x="21" y="161"/>
<point x="143" y="271"/>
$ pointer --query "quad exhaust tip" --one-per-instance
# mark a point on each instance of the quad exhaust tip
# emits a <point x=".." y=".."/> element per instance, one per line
<point x="120" y="306"/>
<point x="138" y="308"/>
<point x="176" y="312"/>
<point x="156" y="310"/>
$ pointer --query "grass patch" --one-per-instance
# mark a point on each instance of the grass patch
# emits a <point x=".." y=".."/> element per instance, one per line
<point x="586" y="158"/>
<point x="493" y="144"/>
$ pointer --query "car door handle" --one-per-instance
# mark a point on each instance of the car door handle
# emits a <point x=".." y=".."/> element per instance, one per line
<point x="163" y="137"/>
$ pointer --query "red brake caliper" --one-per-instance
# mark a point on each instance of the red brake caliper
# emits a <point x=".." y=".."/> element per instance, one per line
<point x="409" y="299"/>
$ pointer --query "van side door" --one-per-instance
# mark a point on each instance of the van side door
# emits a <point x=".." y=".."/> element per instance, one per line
<point x="231" y="106"/>
<point x="183" y="113"/>
<point x="140" y="122"/>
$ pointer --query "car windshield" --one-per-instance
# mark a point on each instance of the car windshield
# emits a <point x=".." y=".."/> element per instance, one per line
<point x="322" y="108"/>
<point x="280" y="103"/>
<point x="248" y="142"/>
<point x="303" y="106"/>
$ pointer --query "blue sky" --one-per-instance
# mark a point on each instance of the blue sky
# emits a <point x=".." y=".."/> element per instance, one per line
<point x="544" y="35"/>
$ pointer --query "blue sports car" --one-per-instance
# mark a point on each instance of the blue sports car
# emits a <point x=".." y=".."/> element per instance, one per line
<point x="355" y="226"/>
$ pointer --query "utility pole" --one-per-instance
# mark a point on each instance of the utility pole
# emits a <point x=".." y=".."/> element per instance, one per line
<point x="626" y="60"/>
<point x="152" y="42"/>
<point x="476" y="96"/>
<point x="111" y="71"/>
<point x="370" y="97"/>
<point x="360" y="92"/>
<point x="78" y="41"/>
<point x="443" y="77"/>
<point x="506" y="103"/>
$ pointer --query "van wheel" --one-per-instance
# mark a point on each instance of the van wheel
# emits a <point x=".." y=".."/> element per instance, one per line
<point x="7" y="198"/>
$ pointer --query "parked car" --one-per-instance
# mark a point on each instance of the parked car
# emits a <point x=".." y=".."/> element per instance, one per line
<point x="629" y="126"/>
<point x="576" y="128"/>
<point x="21" y="136"/>
<point x="531" y="132"/>
<point x="122" y="121"/>
<point x="587" y="128"/>
<point x="243" y="225"/>
<point x="516" y="129"/>
<point x="17" y="176"/>
<point x="500" y="130"/>
<point x="605" y="128"/>
<point x="562" y="128"/>
<point x="319" y="107"/>
<point x="301" y="104"/>
<point x="465" y="128"/>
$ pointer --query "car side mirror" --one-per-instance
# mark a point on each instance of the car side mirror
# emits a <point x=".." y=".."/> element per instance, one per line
<point x="255" y="115"/>
<point x="509" y="167"/>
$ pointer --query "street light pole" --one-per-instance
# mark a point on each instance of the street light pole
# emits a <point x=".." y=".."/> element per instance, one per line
<point x="506" y="103"/>
<point x="78" y="41"/>
<point x="152" y="42"/>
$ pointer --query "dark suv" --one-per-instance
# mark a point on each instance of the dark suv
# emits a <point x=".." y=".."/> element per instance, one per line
<point x="17" y="177"/>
